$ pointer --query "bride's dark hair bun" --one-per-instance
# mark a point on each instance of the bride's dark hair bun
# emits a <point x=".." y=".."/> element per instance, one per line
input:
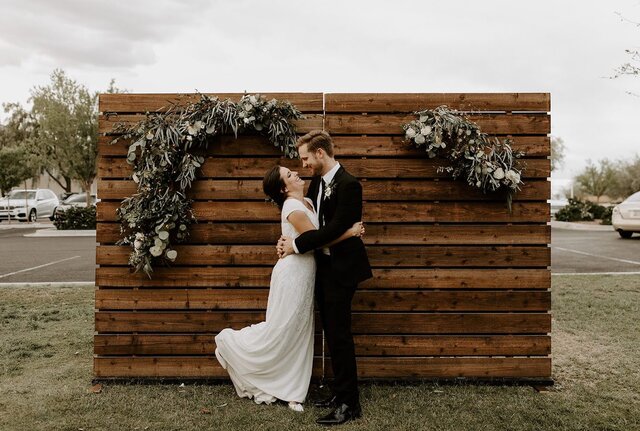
<point x="272" y="184"/>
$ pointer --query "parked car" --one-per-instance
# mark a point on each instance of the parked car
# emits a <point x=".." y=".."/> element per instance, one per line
<point x="626" y="216"/>
<point x="29" y="205"/>
<point x="76" y="200"/>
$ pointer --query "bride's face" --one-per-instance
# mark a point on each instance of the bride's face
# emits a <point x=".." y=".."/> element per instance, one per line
<point x="292" y="182"/>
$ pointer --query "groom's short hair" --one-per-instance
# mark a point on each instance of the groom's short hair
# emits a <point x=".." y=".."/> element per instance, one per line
<point x="316" y="139"/>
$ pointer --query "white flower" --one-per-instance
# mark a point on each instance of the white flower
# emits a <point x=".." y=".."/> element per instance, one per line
<point x="149" y="135"/>
<point x="135" y="178"/>
<point x="498" y="174"/>
<point x="183" y="227"/>
<point x="198" y="125"/>
<point x="513" y="176"/>
<point x="158" y="243"/>
<point x="420" y="139"/>
<point x="171" y="254"/>
<point x="478" y="184"/>
<point x="423" y="118"/>
<point x="410" y="132"/>
<point x="163" y="234"/>
<point x="137" y="244"/>
<point x="425" y="130"/>
<point x="155" y="251"/>
<point x="210" y="130"/>
<point x="253" y="99"/>
<point x="192" y="130"/>
<point x="139" y="235"/>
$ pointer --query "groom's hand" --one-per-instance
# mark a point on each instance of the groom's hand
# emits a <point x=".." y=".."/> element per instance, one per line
<point x="284" y="247"/>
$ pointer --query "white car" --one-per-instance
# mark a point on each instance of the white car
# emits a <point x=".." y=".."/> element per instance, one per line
<point x="78" y="200"/>
<point x="28" y="205"/>
<point x="625" y="217"/>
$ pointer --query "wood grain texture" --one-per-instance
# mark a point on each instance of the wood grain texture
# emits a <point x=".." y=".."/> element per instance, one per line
<point x="362" y="322"/>
<point x="366" y="345"/>
<point x="391" y="124"/>
<point x="344" y="146"/>
<point x="107" y="123"/>
<point x="379" y="256"/>
<point x="460" y="287"/>
<point x="372" y="190"/>
<point x="373" y="212"/>
<point x="397" y="278"/>
<point x="396" y="234"/>
<point x="255" y="168"/>
<point x="199" y="367"/>
<point x="364" y="300"/>
<point x="409" y="102"/>
<point x="141" y="103"/>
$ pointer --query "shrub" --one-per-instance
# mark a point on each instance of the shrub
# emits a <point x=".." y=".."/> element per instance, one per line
<point x="76" y="218"/>
<point x="606" y="215"/>
<point x="575" y="211"/>
<point x="597" y="210"/>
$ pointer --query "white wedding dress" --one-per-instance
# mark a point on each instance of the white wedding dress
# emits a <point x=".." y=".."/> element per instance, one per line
<point x="273" y="359"/>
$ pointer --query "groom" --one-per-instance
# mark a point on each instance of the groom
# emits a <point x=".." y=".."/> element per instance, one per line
<point x="337" y="197"/>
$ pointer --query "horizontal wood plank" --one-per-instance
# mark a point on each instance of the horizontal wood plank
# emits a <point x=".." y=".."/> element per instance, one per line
<point x="108" y="123"/>
<point x="373" y="212"/>
<point x="256" y="299"/>
<point x="199" y="367"/>
<point x="372" y="190"/>
<point x="147" y="102"/>
<point x="409" y="102"/>
<point x="225" y="277"/>
<point x="379" y="256"/>
<point x="391" y="124"/>
<point x="361" y="168"/>
<point x="344" y="146"/>
<point x="405" y="234"/>
<point x="366" y="345"/>
<point x="362" y="323"/>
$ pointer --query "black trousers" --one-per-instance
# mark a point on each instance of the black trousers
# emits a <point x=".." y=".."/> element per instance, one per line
<point x="334" y="301"/>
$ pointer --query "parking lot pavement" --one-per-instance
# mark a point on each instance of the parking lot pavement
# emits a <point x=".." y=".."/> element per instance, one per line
<point x="53" y="260"/>
<point x="593" y="251"/>
<point x="45" y="260"/>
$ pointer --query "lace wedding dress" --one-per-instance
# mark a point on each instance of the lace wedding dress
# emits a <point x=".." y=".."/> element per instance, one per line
<point x="273" y="359"/>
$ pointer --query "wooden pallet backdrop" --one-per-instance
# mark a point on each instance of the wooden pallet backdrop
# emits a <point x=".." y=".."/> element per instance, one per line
<point x="461" y="286"/>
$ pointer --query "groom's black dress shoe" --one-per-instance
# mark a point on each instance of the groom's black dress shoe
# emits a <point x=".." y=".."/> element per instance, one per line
<point x="343" y="413"/>
<point x="330" y="402"/>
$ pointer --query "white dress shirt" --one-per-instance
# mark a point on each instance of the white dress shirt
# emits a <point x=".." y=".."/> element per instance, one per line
<point x="327" y="178"/>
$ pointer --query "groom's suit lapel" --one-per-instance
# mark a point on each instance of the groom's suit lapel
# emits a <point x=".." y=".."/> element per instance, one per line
<point x="327" y="208"/>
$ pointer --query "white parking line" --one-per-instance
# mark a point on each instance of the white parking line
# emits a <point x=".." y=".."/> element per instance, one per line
<point x="37" y="267"/>
<point x="632" y="262"/>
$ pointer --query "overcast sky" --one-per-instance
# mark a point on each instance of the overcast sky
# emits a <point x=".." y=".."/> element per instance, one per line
<point x="567" y="48"/>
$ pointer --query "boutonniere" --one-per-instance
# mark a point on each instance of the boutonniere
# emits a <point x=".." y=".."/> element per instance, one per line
<point x="328" y="190"/>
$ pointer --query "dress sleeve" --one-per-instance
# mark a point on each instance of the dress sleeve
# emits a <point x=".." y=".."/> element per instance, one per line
<point x="291" y="205"/>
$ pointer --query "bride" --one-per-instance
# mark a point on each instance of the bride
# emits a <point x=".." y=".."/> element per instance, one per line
<point x="272" y="360"/>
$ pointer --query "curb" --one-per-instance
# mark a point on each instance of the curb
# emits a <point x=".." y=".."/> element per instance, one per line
<point x="53" y="232"/>
<point x="581" y="226"/>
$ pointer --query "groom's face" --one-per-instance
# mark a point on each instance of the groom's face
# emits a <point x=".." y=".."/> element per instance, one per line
<point x="311" y="160"/>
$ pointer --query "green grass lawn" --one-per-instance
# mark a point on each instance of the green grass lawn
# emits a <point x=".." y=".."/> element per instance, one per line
<point x="46" y="360"/>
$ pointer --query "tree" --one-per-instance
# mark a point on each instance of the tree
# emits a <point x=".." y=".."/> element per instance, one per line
<point x="627" y="177"/>
<point x="597" y="180"/>
<point x="66" y="142"/>
<point x="15" y="167"/>
<point x="557" y="152"/>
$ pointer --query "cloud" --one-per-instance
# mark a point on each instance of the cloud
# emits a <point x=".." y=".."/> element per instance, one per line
<point x="92" y="32"/>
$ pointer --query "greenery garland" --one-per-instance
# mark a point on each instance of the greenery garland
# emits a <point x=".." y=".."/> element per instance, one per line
<point x="484" y="162"/>
<point x="165" y="164"/>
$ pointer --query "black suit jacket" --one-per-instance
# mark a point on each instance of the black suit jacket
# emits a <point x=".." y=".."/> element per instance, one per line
<point x="341" y="210"/>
